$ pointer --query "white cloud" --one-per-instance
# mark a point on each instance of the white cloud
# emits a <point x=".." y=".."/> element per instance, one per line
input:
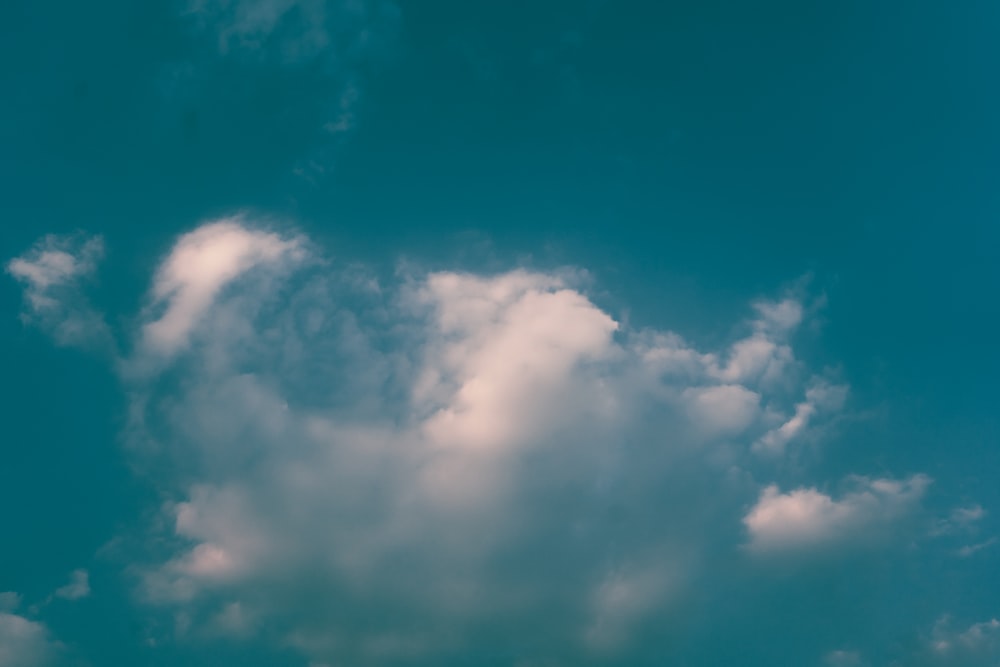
<point x="397" y="472"/>
<point x="51" y="273"/>
<point x="509" y="347"/>
<point x="765" y="355"/>
<point x="821" y="398"/>
<point x="327" y="44"/>
<point x="808" y="518"/>
<point x="25" y="643"/>
<point x="972" y="549"/>
<point x="960" y="520"/>
<point x="778" y="317"/>
<point x="290" y="31"/>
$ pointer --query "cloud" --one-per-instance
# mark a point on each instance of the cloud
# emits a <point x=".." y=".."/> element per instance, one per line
<point x="821" y="398"/>
<point x="807" y="518"/>
<point x="25" y="643"/>
<point x="509" y="347"/>
<point x="77" y="588"/>
<point x="52" y="272"/>
<point x="765" y="355"/>
<point x="376" y="471"/>
<point x="961" y="520"/>
<point x="198" y="268"/>
<point x="974" y="646"/>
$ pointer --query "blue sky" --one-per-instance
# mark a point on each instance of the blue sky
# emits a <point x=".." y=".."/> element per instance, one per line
<point x="559" y="333"/>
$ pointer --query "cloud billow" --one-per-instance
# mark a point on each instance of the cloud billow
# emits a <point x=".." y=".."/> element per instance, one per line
<point x="458" y="464"/>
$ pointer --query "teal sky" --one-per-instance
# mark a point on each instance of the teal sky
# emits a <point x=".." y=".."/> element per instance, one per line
<point x="363" y="332"/>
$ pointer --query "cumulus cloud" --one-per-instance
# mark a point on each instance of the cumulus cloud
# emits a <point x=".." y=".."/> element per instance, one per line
<point x="402" y="473"/>
<point x="508" y="346"/>
<point x="9" y="601"/>
<point x="808" y="518"/>
<point x="821" y="398"/>
<point x="328" y="44"/>
<point x="25" y="643"/>
<point x="53" y="262"/>
<point x="52" y="272"/>
<point x="77" y="588"/>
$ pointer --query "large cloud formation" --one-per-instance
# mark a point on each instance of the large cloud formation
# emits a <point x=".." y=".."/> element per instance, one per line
<point x="24" y="642"/>
<point x="457" y="464"/>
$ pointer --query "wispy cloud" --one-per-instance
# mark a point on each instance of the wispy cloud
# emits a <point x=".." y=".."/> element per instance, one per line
<point x="972" y="549"/>
<point x="807" y="518"/>
<point x="77" y="588"/>
<point x="26" y="643"/>
<point x="52" y="272"/>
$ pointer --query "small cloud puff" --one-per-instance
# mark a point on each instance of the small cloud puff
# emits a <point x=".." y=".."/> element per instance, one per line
<point x="402" y="473"/>
<point x="807" y="518"/>
<point x="51" y="272"/>
<point x="327" y="43"/>
<point x="821" y="398"/>
<point x="972" y="549"/>
<point x="53" y="262"/>
<point x="77" y="588"/>
<point x="198" y="268"/>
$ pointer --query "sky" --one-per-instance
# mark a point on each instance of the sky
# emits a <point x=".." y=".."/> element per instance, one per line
<point x="340" y="333"/>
